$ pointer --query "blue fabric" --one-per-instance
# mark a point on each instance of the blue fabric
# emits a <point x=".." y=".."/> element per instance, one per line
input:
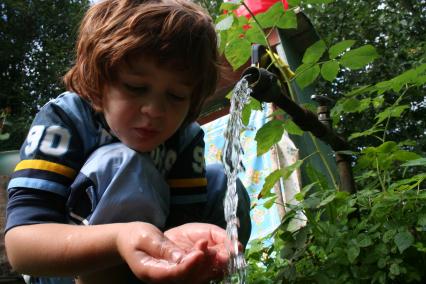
<point x="127" y="187"/>
<point x="256" y="168"/>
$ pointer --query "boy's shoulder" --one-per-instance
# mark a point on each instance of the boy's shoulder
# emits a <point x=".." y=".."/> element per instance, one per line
<point x="70" y="102"/>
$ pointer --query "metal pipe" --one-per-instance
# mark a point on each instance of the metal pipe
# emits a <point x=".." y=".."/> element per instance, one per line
<point x="266" y="88"/>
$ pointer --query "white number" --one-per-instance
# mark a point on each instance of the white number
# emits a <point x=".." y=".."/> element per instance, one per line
<point x="198" y="155"/>
<point x="33" y="138"/>
<point x="170" y="159"/>
<point x="55" y="142"/>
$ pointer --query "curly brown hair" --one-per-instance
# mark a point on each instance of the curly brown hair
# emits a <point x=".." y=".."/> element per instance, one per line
<point x="177" y="33"/>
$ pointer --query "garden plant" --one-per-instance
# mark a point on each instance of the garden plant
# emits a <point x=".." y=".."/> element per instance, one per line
<point x="377" y="234"/>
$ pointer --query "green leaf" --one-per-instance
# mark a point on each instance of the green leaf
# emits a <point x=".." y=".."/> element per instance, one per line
<point x="229" y="6"/>
<point x="287" y="171"/>
<point x="225" y="23"/>
<point x="253" y="104"/>
<point x="352" y="252"/>
<point x="402" y="155"/>
<point x="367" y="132"/>
<point x="269" y="183"/>
<point x="237" y="52"/>
<point x="392" y="111"/>
<point x="292" y="128"/>
<point x="329" y="199"/>
<point x="301" y="195"/>
<point x="293" y="3"/>
<point x="330" y="69"/>
<point x="386" y="147"/>
<point x="422" y="220"/>
<point x="288" y="20"/>
<point x="255" y="35"/>
<point x="271" y="16"/>
<point x="351" y="105"/>
<point x="364" y="240"/>
<point x="305" y="77"/>
<point x="416" y="162"/>
<point x="360" y="57"/>
<point x="316" y="177"/>
<point x="340" y="47"/>
<point x="403" y="240"/>
<point x="270" y="202"/>
<point x="269" y="134"/>
<point x="314" y="52"/>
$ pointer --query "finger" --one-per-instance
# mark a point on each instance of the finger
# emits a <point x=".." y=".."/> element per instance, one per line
<point x="153" y="270"/>
<point x="202" y="245"/>
<point x="160" y="247"/>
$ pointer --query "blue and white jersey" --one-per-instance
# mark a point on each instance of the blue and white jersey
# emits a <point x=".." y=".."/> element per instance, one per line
<point x="67" y="130"/>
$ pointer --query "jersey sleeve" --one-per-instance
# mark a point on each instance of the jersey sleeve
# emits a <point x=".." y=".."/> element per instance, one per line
<point x="54" y="149"/>
<point x="187" y="178"/>
<point x="59" y="141"/>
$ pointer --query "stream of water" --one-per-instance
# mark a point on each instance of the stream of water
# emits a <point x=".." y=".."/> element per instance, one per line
<point x="232" y="154"/>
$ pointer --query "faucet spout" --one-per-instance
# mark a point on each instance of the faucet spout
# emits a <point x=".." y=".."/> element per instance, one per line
<point x="264" y="84"/>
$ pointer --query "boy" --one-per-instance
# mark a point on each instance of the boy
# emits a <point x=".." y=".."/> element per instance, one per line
<point x="143" y="70"/>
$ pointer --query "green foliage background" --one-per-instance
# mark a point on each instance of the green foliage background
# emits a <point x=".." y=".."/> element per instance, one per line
<point x="376" y="73"/>
<point x="37" y="40"/>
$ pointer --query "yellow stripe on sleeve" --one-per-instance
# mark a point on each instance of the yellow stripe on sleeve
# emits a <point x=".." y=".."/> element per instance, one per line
<point x="187" y="182"/>
<point x="46" y="166"/>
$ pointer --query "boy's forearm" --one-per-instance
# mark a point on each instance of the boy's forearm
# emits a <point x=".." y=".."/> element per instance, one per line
<point x="61" y="249"/>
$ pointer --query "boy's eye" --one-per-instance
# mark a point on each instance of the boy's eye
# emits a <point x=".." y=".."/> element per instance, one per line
<point x="136" y="89"/>
<point x="177" y="97"/>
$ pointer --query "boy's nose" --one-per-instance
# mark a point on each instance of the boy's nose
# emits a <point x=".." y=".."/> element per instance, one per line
<point x="156" y="107"/>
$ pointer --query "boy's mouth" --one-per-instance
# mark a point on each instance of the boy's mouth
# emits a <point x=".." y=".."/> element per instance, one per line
<point x="145" y="132"/>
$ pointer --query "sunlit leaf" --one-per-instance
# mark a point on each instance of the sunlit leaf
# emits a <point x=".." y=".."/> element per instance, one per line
<point x="225" y="23"/>
<point x="292" y="128"/>
<point x="392" y="111"/>
<point x="367" y="132"/>
<point x="294" y="3"/>
<point x="237" y="52"/>
<point x="339" y="48"/>
<point x="327" y="200"/>
<point x="229" y="6"/>
<point x="255" y="35"/>
<point x="287" y="171"/>
<point x="359" y="58"/>
<point x="351" y="105"/>
<point x="269" y="134"/>
<point x="271" y="16"/>
<point x="330" y="69"/>
<point x="314" y="52"/>
<point x="288" y="20"/>
<point x="269" y="183"/>
<point x="307" y="76"/>
<point x="416" y="162"/>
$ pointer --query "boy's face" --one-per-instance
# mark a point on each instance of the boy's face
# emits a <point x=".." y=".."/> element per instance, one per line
<point x="146" y="104"/>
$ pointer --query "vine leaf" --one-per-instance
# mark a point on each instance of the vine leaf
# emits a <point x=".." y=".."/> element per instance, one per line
<point x="403" y="240"/>
<point x="270" y="133"/>
<point x="225" y="23"/>
<point x="339" y="48"/>
<point x="314" y="52"/>
<point x="329" y="70"/>
<point x="360" y="57"/>
<point x="288" y="20"/>
<point x="237" y="52"/>
<point x="306" y="74"/>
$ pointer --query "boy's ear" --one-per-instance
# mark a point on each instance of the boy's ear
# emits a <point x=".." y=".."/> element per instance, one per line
<point x="97" y="104"/>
